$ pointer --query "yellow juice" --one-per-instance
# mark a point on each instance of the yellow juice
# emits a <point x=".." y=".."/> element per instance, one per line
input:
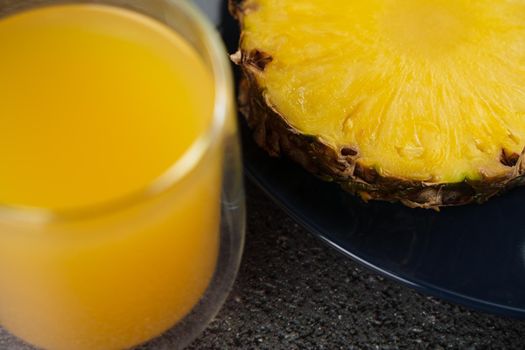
<point x="96" y="103"/>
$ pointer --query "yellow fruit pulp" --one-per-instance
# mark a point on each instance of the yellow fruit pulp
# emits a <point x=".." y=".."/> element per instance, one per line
<point x="430" y="90"/>
<point x="95" y="104"/>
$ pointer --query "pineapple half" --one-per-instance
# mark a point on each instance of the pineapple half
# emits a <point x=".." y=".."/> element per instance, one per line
<point x="418" y="101"/>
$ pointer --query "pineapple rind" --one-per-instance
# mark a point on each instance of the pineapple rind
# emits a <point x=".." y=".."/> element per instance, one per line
<point x="278" y="138"/>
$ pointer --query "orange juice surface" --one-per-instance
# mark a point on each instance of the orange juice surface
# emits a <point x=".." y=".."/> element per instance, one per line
<point x="96" y="103"/>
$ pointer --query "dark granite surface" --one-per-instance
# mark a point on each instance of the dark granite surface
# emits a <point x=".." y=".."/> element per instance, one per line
<point x="292" y="292"/>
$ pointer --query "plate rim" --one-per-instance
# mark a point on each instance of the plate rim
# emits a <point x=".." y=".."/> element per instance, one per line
<point x="429" y="289"/>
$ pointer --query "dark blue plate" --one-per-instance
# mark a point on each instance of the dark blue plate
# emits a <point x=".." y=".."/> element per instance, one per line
<point x="472" y="255"/>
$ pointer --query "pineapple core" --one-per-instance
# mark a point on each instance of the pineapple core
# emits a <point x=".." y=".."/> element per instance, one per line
<point x="429" y="90"/>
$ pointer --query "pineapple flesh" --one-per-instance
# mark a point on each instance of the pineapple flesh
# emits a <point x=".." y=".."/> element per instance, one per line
<point x="425" y="95"/>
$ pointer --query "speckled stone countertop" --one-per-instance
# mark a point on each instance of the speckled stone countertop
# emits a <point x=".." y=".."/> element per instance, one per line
<point x="292" y="292"/>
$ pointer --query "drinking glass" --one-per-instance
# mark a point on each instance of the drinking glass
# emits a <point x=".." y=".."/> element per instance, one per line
<point x="149" y="270"/>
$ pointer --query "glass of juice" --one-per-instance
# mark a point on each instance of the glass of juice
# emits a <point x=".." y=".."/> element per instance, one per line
<point x="121" y="200"/>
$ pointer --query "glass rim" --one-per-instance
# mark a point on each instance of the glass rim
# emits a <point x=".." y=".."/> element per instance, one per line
<point x="183" y="165"/>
